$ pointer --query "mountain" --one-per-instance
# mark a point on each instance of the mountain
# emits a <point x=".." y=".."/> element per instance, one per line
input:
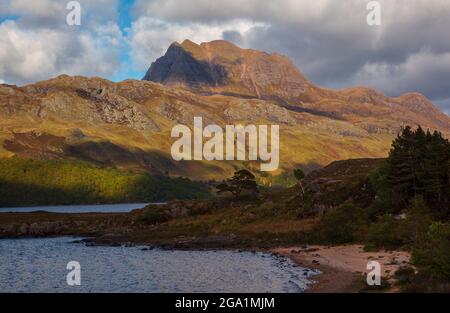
<point x="221" y="67"/>
<point x="128" y="124"/>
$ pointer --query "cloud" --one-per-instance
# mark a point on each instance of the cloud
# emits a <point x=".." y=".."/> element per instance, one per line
<point x="424" y="71"/>
<point x="444" y="104"/>
<point x="52" y="13"/>
<point x="35" y="13"/>
<point x="39" y="44"/>
<point x="27" y="56"/>
<point x="329" y="40"/>
<point x="285" y="11"/>
<point x="150" y="37"/>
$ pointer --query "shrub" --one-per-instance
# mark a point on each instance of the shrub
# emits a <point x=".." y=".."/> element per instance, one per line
<point x="386" y="232"/>
<point x="341" y="225"/>
<point x="432" y="256"/>
<point x="417" y="222"/>
<point x="405" y="275"/>
<point x="154" y="215"/>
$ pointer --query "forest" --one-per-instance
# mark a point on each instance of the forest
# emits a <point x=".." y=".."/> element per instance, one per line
<point x="26" y="182"/>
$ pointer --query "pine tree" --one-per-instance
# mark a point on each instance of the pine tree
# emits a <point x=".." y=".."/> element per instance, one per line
<point x="242" y="180"/>
<point x="419" y="166"/>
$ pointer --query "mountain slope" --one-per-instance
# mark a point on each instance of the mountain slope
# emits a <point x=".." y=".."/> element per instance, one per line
<point x="128" y="124"/>
<point x="220" y="67"/>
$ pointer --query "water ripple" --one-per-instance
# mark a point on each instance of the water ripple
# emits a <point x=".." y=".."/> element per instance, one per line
<point x="39" y="265"/>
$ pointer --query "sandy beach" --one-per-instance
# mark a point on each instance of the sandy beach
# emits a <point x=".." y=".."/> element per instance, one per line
<point x="343" y="268"/>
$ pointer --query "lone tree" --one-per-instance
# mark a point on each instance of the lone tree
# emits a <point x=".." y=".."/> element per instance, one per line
<point x="299" y="175"/>
<point x="242" y="180"/>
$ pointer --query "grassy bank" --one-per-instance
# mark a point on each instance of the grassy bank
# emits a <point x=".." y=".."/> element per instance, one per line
<point x="25" y="182"/>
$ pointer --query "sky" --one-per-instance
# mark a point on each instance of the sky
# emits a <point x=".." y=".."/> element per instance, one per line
<point x="329" y="40"/>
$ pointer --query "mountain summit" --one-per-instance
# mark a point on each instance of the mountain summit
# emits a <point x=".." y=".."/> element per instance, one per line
<point x="222" y="67"/>
<point x="128" y="124"/>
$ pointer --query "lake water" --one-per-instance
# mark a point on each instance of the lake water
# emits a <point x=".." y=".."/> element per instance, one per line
<point x="104" y="208"/>
<point x="39" y="265"/>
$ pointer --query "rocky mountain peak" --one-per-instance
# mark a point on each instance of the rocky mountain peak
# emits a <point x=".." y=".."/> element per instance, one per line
<point x="179" y="66"/>
<point x="222" y="67"/>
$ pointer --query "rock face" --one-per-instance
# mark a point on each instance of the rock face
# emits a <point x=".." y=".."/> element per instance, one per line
<point x="128" y="124"/>
<point x="178" y="66"/>
<point x="221" y="67"/>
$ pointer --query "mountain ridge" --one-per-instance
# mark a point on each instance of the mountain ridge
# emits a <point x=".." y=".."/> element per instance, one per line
<point x="127" y="124"/>
<point x="226" y="69"/>
<point x="222" y="67"/>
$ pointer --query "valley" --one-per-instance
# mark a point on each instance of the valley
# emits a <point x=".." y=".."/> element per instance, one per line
<point x="371" y="176"/>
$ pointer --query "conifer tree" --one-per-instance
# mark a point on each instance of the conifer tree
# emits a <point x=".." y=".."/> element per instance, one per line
<point x="419" y="166"/>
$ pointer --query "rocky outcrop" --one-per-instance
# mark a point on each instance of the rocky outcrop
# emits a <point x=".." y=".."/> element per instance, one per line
<point x="256" y="110"/>
<point x="78" y="99"/>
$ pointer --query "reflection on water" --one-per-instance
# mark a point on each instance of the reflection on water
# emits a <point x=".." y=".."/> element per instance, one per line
<point x="39" y="265"/>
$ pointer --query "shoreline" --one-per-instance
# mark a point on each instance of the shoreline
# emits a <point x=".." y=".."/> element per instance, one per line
<point x="343" y="268"/>
<point x="329" y="280"/>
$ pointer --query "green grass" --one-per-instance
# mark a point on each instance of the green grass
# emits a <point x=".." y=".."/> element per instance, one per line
<point x="36" y="182"/>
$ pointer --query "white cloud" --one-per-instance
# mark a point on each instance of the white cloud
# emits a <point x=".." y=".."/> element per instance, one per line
<point x="415" y="73"/>
<point x="39" y="44"/>
<point x="37" y="8"/>
<point x="52" y="13"/>
<point x="320" y="34"/>
<point x="150" y="37"/>
<point x="30" y="55"/>
<point x="280" y="11"/>
<point x="329" y="40"/>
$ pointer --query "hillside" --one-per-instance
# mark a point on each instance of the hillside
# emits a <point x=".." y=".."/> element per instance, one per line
<point x="128" y="124"/>
<point x="58" y="182"/>
<point x="277" y="216"/>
